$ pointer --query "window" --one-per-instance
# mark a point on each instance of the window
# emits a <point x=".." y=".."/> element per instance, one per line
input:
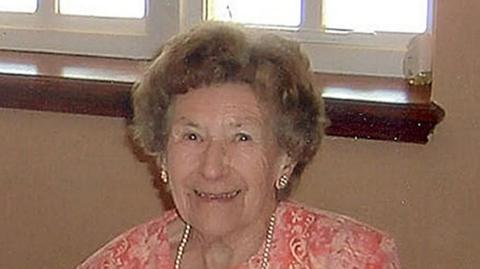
<point x="341" y="36"/>
<point x="346" y="36"/>
<point x="102" y="85"/>
<point x="345" y="15"/>
<point x="135" y="27"/>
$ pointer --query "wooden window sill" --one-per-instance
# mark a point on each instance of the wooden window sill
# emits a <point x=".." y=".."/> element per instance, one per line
<point x="357" y="106"/>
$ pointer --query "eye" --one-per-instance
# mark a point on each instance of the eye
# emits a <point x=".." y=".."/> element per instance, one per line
<point x="191" y="137"/>
<point x="242" y="137"/>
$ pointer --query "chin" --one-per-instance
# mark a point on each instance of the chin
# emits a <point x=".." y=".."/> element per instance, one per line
<point x="216" y="218"/>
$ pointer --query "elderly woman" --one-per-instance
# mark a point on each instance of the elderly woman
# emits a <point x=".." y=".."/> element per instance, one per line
<point x="232" y="119"/>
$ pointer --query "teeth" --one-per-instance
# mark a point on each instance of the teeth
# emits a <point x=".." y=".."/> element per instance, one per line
<point x="217" y="196"/>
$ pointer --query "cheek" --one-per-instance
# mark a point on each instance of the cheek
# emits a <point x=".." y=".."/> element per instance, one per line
<point x="180" y="164"/>
<point x="257" y="166"/>
<point x="181" y="161"/>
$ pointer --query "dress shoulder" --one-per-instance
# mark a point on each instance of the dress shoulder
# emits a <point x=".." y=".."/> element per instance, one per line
<point x="135" y="248"/>
<point x="323" y="239"/>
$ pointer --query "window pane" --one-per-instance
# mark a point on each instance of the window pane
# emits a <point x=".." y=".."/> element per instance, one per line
<point x="263" y="12"/>
<point x="29" y="6"/>
<point x="103" y="8"/>
<point x="376" y="15"/>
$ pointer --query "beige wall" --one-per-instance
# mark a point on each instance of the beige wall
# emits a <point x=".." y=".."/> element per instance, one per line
<point x="68" y="183"/>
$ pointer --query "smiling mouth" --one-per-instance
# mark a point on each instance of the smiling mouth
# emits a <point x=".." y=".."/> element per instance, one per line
<point x="223" y="196"/>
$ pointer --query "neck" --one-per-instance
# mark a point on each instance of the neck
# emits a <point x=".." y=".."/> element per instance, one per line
<point x="229" y="250"/>
<point x="218" y="255"/>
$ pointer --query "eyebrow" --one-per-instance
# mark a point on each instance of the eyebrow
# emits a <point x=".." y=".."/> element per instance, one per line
<point x="238" y="122"/>
<point x="248" y="124"/>
<point x="185" y="121"/>
<point x="245" y="121"/>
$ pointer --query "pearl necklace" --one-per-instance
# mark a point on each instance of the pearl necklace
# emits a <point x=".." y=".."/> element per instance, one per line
<point x="266" y="249"/>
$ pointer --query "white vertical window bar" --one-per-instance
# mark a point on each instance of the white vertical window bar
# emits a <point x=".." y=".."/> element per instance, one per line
<point x="46" y="13"/>
<point x="430" y="17"/>
<point x="311" y="15"/>
<point x="192" y="12"/>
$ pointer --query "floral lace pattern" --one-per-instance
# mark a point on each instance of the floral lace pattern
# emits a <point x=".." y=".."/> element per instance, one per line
<point x="304" y="238"/>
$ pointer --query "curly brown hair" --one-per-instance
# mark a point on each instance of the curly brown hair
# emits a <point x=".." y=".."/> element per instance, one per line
<point x="214" y="53"/>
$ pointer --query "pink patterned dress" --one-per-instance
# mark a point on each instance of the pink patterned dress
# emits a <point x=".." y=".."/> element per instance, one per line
<point x="303" y="238"/>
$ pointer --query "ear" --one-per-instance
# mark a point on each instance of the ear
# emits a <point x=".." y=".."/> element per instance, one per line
<point x="161" y="162"/>
<point x="287" y="164"/>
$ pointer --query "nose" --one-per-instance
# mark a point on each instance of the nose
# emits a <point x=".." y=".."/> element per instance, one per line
<point x="214" y="160"/>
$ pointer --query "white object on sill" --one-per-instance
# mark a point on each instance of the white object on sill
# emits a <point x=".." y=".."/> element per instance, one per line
<point x="417" y="63"/>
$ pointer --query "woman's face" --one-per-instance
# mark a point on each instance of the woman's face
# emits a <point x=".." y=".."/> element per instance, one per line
<point x="223" y="159"/>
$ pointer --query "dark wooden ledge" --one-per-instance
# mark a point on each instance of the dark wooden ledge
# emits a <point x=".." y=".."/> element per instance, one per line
<point x="358" y="106"/>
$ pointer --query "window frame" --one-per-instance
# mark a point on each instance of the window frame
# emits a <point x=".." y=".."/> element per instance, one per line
<point x="343" y="52"/>
<point x="134" y="38"/>
<point x="379" y="54"/>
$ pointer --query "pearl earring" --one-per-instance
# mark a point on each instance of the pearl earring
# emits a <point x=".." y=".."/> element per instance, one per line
<point x="281" y="183"/>
<point x="164" y="176"/>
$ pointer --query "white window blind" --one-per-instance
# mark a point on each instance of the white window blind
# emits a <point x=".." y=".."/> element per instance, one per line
<point x="103" y="8"/>
<point x="265" y="12"/>
<point x="28" y="6"/>
<point x="404" y="16"/>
